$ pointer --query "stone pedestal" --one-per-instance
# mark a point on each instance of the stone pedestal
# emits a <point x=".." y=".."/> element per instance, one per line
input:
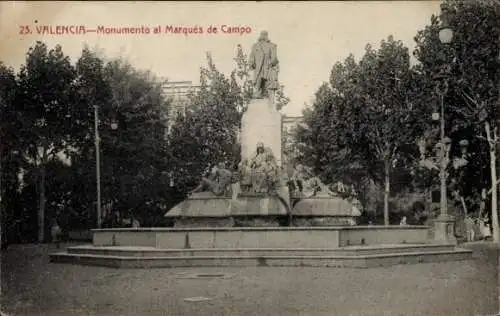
<point x="206" y="210"/>
<point x="445" y="229"/>
<point x="323" y="211"/>
<point x="261" y="123"/>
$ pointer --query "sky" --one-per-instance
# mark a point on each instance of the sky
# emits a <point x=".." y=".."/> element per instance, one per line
<point x="311" y="36"/>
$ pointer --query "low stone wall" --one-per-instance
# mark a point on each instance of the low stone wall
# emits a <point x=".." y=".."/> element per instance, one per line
<point x="80" y="235"/>
<point x="124" y="237"/>
<point x="260" y="237"/>
<point x="376" y="235"/>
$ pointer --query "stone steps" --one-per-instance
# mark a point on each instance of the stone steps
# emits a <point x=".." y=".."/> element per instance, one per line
<point x="355" y="257"/>
<point x="131" y="251"/>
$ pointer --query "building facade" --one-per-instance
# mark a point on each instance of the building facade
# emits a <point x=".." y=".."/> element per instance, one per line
<point x="177" y="92"/>
<point x="289" y="148"/>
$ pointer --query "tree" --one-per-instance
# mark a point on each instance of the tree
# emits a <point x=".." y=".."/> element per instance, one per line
<point x="208" y="132"/>
<point x="47" y="96"/>
<point x="365" y="120"/>
<point x="471" y="66"/>
<point x="8" y="143"/>
<point x="134" y="156"/>
<point x="92" y="91"/>
<point x="322" y="139"/>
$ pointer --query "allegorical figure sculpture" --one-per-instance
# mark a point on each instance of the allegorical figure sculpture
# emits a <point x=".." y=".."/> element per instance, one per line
<point x="263" y="61"/>
<point x="304" y="184"/>
<point x="218" y="182"/>
<point x="260" y="173"/>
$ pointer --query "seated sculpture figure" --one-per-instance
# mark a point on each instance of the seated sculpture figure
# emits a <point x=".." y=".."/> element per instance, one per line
<point x="307" y="185"/>
<point x="218" y="182"/>
<point x="257" y="168"/>
<point x="261" y="173"/>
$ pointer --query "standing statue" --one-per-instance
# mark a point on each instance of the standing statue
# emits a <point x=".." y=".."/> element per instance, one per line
<point x="263" y="61"/>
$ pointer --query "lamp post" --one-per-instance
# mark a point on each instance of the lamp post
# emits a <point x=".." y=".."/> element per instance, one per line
<point x="444" y="223"/>
<point x="114" y="126"/>
<point x="97" y="165"/>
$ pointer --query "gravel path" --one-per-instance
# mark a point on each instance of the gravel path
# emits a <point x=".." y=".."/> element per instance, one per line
<point x="33" y="286"/>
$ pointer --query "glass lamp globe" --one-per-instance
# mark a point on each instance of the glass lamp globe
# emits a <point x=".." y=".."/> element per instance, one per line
<point x="445" y="35"/>
<point x="114" y="126"/>
<point x="435" y="116"/>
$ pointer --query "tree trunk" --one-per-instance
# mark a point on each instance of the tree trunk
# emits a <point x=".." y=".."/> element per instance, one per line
<point x="464" y="205"/>
<point x="1" y="220"/>
<point x="41" y="208"/>
<point x="387" y="192"/>
<point x="1" y="207"/>
<point x="494" y="185"/>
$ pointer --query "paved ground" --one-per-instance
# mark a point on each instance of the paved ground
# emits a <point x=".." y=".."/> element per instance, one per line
<point x="33" y="286"/>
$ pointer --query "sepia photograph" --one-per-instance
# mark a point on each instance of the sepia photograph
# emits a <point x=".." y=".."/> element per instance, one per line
<point x="239" y="158"/>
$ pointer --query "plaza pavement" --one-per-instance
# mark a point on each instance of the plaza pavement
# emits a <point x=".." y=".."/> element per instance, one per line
<point x="33" y="286"/>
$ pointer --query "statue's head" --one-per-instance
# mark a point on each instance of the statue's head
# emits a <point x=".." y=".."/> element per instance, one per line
<point x="221" y="165"/>
<point x="260" y="148"/>
<point x="264" y="36"/>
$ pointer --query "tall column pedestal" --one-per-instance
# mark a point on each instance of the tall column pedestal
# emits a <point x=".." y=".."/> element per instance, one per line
<point x="261" y="123"/>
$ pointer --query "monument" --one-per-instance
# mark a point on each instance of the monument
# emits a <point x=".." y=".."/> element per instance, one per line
<point x="260" y="196"/>
<point x="261" y="122"/>
<point x="218" y="224"/>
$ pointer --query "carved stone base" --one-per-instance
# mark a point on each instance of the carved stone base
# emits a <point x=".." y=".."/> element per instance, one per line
<point x="444" y="231"/>
<point x="257" y="222"/>
<point x="323" y="207"/>
<point x="261" y="122"/>
<point x="199" y="222"/>
<point x="323" y="221"/>
<point x="207" y="210"/>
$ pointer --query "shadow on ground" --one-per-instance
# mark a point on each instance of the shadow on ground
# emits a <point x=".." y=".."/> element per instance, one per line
<point x="33" y="286"/>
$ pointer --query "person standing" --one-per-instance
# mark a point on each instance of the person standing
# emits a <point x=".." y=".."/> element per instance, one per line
<point x="485" y="228"/>
<point x="403" y="221"/>
<point x="55" y="232"/>
<point x="469" y="228"/>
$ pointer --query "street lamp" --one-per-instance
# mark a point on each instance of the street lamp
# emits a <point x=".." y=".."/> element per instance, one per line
<point x="445" y="35"/>
<point x="445" y="32"/>
<point x="444" y="223"/>
<point x="114" y="126"/>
